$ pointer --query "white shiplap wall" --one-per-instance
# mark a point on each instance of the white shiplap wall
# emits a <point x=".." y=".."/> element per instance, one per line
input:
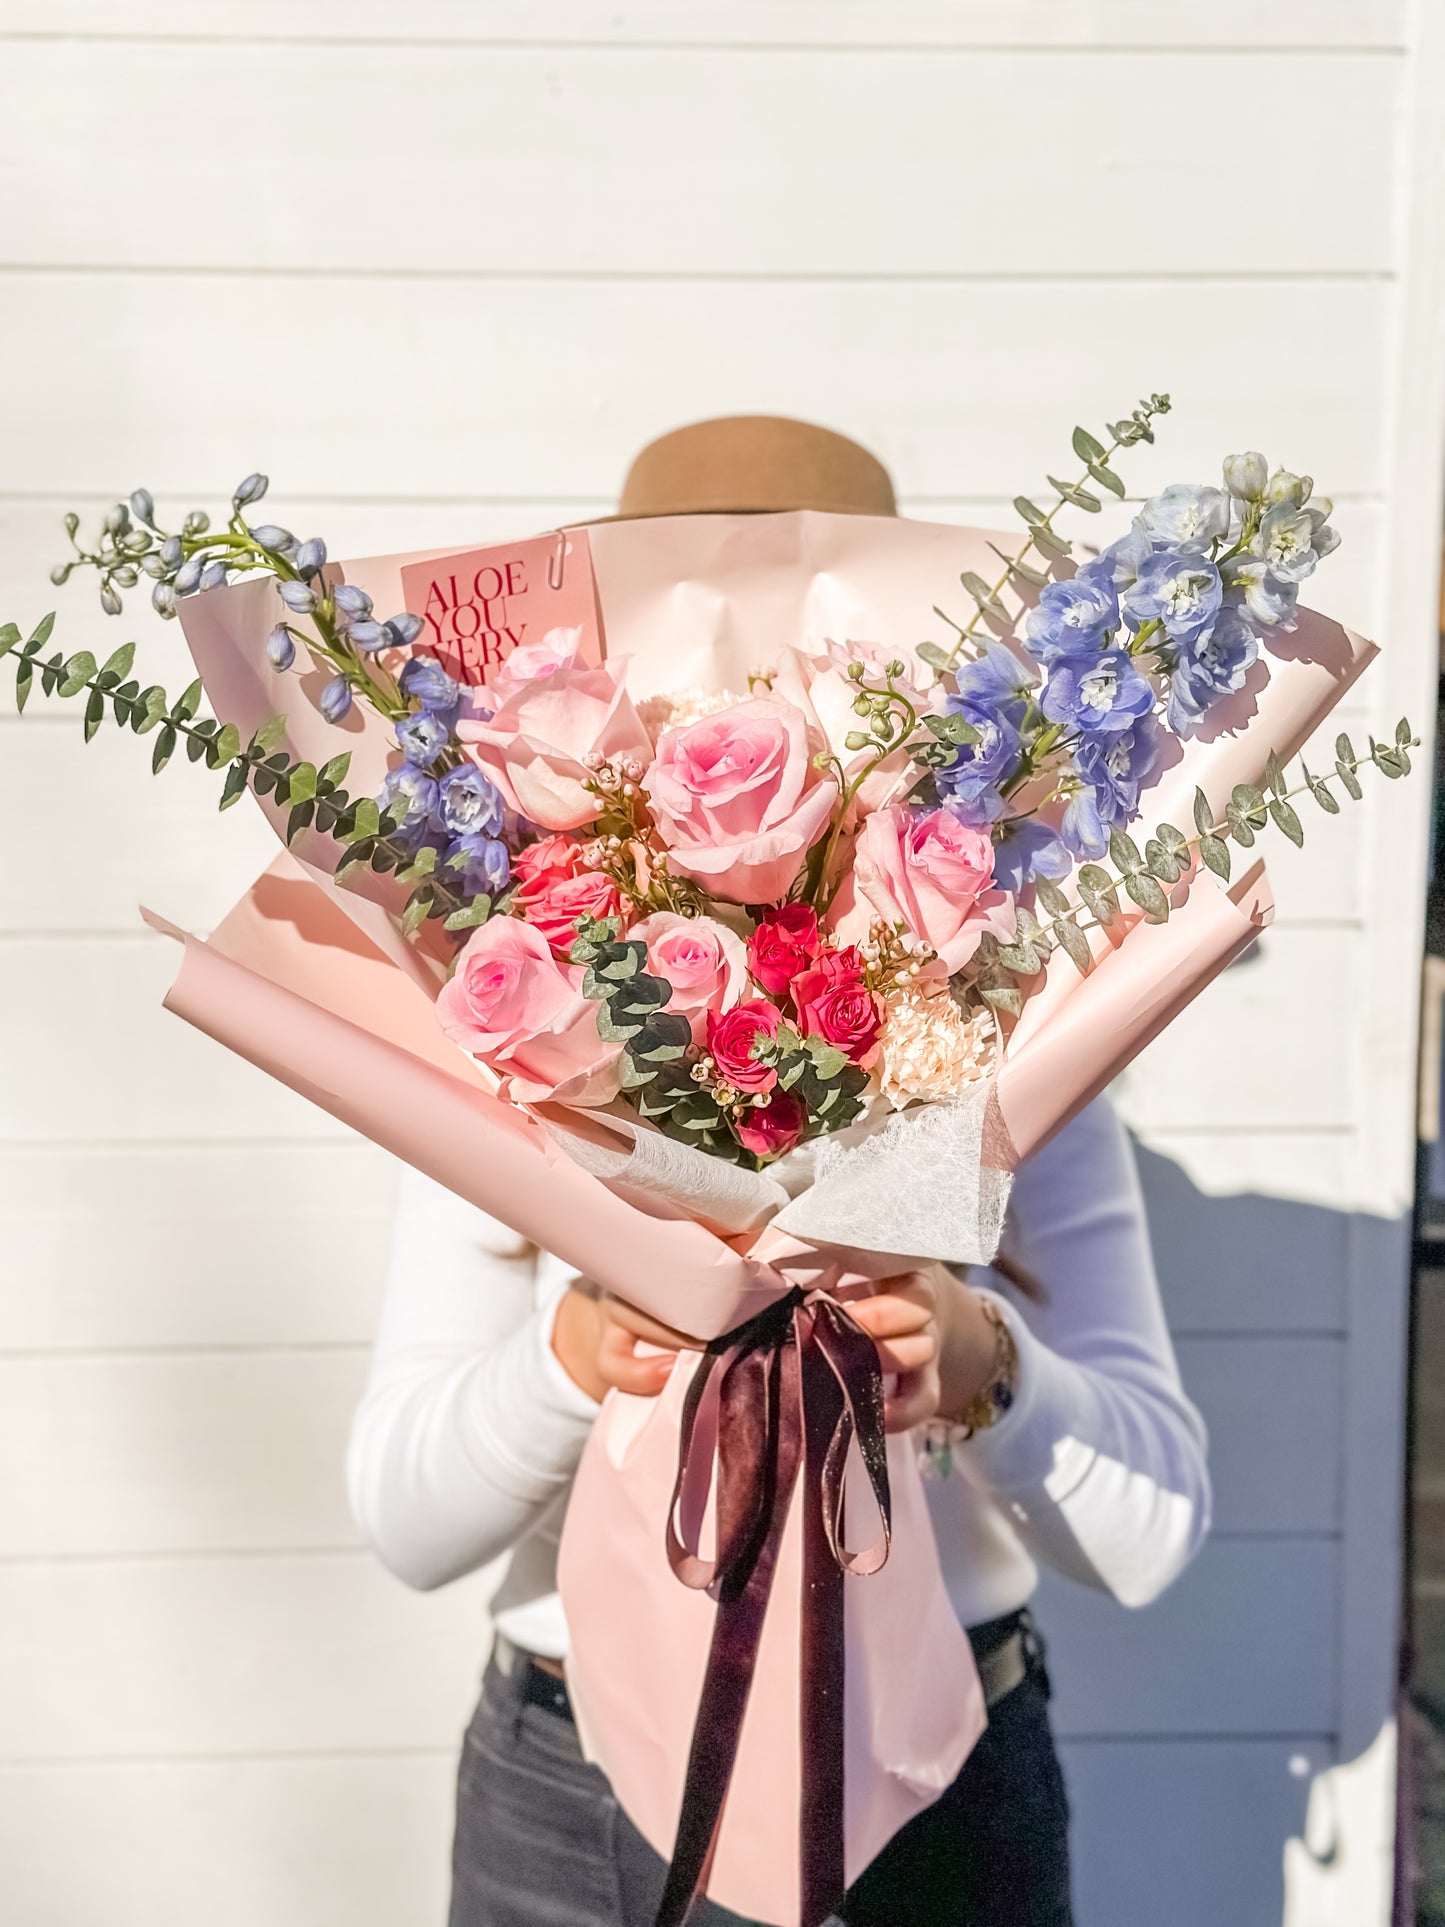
<point x="441" y="269"/>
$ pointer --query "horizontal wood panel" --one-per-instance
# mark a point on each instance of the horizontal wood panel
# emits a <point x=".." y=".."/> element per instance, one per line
<point x="511" y="132"/>
<point x="531" y="389"/>
<point x="289" y="1655"/>
<point x="1023" y="25"/>
<point x="178" y="1245"/>
<point x="98" y="1057"/>
<point x="182" y="1453"/>
<point x="326" y="1842"/>
<point x="219" y="1452"/>
<point x="1251" y="1230"/>
<point x="1275" y="1416"/>
<point x="1204" y="1822"/>
<point x="1244" y="1643"/>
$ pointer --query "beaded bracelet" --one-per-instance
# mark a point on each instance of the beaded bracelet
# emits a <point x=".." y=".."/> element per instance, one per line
<point x="985" y="1408"/>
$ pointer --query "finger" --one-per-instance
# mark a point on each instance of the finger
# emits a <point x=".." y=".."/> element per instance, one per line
<point x="913" y="1401"/>
<point x="893" y="1317"/>
<point x="910" y="1354"/>
<point x="620" y="1365"/>
<point x="644" y="1326"/>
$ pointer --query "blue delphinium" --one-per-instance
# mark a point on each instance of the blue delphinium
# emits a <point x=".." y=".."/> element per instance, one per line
<point x="1209" y="668"/>
<point x="468" y="804"/>
<point x="1185" y="516"/>
<point x="422" y="738"/>
<point x="1027" y="848"/>
<point x="1097" y="694"/>
<point x="425" y="681"/>
<point x="335" y="700"/>
<point x="1177" y="587"/>
<point x="1073" y="618"/>
<point x="482" y="863"/>
<point x="418" y="791"/>
<point x="972" y="784"/>
<point x="1112" y="771"/>
<point x="1120" y="563"/>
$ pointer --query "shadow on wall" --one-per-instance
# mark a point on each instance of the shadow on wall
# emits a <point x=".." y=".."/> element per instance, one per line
<point x="1201" y="1736"/>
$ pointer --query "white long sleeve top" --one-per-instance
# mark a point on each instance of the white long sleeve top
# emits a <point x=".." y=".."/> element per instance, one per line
<point x="466" y="1439"/>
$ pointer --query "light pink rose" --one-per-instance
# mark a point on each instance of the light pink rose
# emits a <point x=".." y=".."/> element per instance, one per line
<point x="536" y="746"/>
<point x="738" y="800"/>
<point x="935" y="875"/>
<point x="511" y="1004"/>
<point x="706" y="964"/>
<point x="531" y="661"/>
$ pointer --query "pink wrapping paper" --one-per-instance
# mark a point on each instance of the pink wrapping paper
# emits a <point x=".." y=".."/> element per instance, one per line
<point x="313" y="984"/>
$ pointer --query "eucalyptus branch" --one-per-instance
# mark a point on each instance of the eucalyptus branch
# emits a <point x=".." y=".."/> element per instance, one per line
<point x="1147" y="876"/>
<point x="1096" y="457"/>
<point x="890" y="718"/>
<point x="314" y="796"/>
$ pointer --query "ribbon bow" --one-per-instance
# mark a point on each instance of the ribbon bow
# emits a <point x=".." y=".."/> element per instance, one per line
<point x="791" y="1390"/>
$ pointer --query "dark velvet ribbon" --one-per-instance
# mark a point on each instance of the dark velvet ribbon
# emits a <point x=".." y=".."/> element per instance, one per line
<point x="787" y="1393"/>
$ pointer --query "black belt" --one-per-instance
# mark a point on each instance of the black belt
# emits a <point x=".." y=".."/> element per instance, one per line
<point x="1005" y="1651"/>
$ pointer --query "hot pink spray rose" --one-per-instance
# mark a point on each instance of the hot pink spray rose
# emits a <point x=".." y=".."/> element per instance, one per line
<point x="774" y="1127"/>
<point x="702" y="959"/>
<point x="935" y="874"/>
<point x="834" y="1003"/>
<point x="784" y="944"/>
<point x="738" y="800"/>
<point x="513" y="1006"/>
<point x="535" y="748"/>
<point x="730" y="1040"/>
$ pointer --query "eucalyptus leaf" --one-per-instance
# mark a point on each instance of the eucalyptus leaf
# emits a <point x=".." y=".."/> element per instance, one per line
<point x="1030" y="511"/>
<point x="1051" y="542"/>
<point x="1250" y="803"/>
<point x="78" y="672"/>
<point x="234" y="786"/>
<point x="9" y="636"/>
<point x="982" y="594"/>
<point x="1020" y="570"/>
<point x="1075" y="945"/>
<point x="1404" y="735"/>
<point x="468" y="918"/>
<point x="164" y="748"/>
<point x="227" y="743"/>
<point x="1086" y="447"/>
<point x="1162" y="863"/>
<point x="1096" y="887"/>
<point x="1149" y="895"/>
<point x="188" y="702"/>
<point x="1320" y="791"/>
<point x="1106" y="478"/>
<point x="1052" y="897"/>
<point x="40" y="634"/>
<point x="418" y="906"/>
<point x="332" y="773"/>
<point x="1026" y="958"/>
<point x="1274" y="774"/>
<point x="1203" y="813"/>
<point x="299" y="819"/>
<point x="1347" y="776"/>
<point x="1124" y="852"/>
<point x="94" y="713"/>
<point x="1345" y="749"/>
<point x="1286" y="820"/>
<point x="119" y="664"/>
<point x="1240" y="827"/>
<point x="23" y="675"/>
<point x="1215" y="854"/>
<point x="1080" y="498"/>
<point x="1004" y="997"/>
<point x="934" y="655"/>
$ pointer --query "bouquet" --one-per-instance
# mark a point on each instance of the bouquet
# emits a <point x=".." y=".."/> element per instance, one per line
<point x="736" y="950"/>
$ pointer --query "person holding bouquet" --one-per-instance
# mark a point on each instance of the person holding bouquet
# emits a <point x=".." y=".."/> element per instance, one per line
<point x="1043" y="1394"/>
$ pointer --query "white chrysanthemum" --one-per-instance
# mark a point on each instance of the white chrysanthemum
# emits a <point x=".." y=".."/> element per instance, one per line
<point x="678" y="707"/>
<point x="931" y="1049"/>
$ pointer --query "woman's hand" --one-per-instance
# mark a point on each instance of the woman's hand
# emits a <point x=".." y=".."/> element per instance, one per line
<point x="931" y="1332"/>
<point x="596" y="1337"/>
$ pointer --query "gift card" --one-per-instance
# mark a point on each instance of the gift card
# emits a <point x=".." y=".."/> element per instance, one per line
<point x="481" y="604"/>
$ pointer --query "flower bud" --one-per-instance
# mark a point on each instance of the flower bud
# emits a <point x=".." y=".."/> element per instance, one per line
<point x="1245" y="475"/>
<point x="1283" y="486"/>
<point x="142" y="507"/>
<point x="172" y="552"/>
<point x="367" y="634"/>
<point x="280" y="647"/>
<point x="127" y="575"/>
<point x="336" y="699"/>
<point x="60" y="574"/>
<point x="109" y="600"/>
<point x="213" y="576"/>
<point x="251" y="490"/>
<point x="270" y="535"/>
<point x="310" y="556"/>
<point x="406" y="628"/>
<point x="117" y="519"/>
<point x="298" y="598"/>
<point x="351" y="601"/>
<point x="188" y="575"/>
<point x="72" y="522"/>
<point x="163" y="599"/>
<point x="196" y="523"/>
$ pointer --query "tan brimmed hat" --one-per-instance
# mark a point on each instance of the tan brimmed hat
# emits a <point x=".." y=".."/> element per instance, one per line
<point x="755" y="464"/>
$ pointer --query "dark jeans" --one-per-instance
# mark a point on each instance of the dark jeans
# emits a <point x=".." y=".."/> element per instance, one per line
<point x="541" y="1842"/>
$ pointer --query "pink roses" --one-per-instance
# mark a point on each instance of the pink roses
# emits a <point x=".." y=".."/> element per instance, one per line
<point x="738" y="800"/>
<point x="554" y="889"/>
<point x="514" y="1007"/>
<point x="536" y="747"/>
<point x="934" y="874"/>
<point x="701" y="959"/>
